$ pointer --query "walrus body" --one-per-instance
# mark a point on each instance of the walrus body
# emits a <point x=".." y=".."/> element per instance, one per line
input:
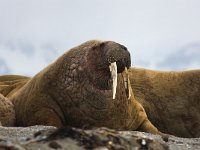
<point x="171" y="99"/>
<point x="6" y="111"/>
<point x="77" y="90"/>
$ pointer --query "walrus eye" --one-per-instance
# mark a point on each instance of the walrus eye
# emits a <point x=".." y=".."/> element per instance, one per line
<point x="113" y="70"/>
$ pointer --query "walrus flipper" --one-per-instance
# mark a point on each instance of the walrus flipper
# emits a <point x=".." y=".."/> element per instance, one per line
<point x="147" y="126"/>
<point x="145" y="123"/>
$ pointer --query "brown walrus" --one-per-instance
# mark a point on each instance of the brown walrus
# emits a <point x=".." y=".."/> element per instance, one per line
<point x="87" y="86"/>
<point x="170" y="99"/>
<point x="7" y="112"/>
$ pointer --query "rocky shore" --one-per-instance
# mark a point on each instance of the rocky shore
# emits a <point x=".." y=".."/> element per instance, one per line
<point x="68" y="138"/>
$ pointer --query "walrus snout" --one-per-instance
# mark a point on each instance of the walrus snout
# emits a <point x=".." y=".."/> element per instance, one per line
<point x="106" y="61"/>
<point x="122" y="64"/>
<point x="119" y="54"/>
<point x="119" y="61"/>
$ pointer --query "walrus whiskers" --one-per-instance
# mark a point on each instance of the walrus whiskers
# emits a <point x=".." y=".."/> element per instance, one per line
<point x="113" y="70"/>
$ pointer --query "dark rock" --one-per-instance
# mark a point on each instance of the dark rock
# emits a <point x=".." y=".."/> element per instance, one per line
<point x="54" y="145"/>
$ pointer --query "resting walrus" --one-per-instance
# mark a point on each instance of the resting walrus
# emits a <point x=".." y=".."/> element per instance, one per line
<point x="171" y="99"/>
<point x="7" y="112"/>
<point x="88" y="85"/>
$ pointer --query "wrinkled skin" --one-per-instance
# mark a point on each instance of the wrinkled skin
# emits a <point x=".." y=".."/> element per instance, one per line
<point x="76" y="90"/>
<point x="171" y="99"/>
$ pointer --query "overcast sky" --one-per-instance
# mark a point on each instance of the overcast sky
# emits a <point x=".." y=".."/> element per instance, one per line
<point x="159" y="34"/>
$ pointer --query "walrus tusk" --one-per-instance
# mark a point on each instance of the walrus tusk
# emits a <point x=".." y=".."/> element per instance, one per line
<point x="113" y="70"/>
<point x="127" y="84"/>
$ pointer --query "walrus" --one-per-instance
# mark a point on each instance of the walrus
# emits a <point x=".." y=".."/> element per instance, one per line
<point x="7" y="112"/>
<point x="86" y="86"/>
<point x="171" y="99"/>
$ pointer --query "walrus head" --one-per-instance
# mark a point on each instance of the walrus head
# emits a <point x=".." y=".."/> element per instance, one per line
<point x="106" y="61"/>
<point x="90" y="85"/>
